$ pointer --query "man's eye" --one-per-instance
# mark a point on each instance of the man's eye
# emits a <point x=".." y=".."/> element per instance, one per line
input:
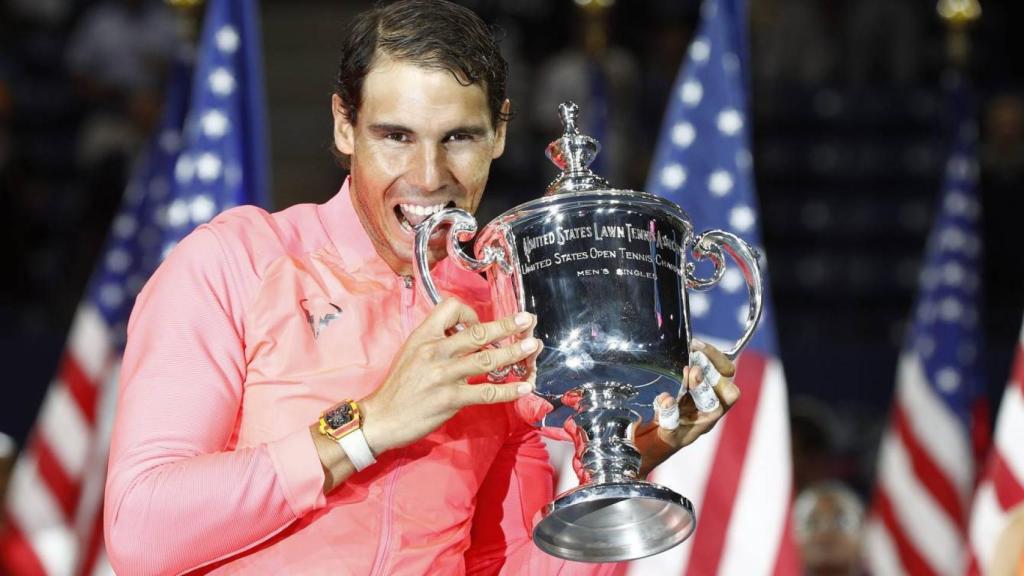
<point x="397" y="136"/>
<point x="460" y="137"/>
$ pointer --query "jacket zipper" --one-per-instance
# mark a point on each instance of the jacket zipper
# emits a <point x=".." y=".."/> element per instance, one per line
<point x="384" y="549"/>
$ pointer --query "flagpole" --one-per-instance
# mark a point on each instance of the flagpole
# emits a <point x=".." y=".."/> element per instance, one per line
<point x="189" y="12"/>
<point x="959" y="16"/>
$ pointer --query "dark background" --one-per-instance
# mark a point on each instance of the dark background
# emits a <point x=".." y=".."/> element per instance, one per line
<point x="848" y="155"/>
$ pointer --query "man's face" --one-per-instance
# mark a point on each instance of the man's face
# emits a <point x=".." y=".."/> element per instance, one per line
<point x="830" y="539"/>
<point x="422" y="141"/>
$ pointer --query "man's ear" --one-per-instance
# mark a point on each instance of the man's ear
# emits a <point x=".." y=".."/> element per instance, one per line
<point x="500" y="129"/>
<point x="344" y="133"/>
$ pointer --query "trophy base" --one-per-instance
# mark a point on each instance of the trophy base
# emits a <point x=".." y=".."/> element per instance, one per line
<point x="614" y="522"/>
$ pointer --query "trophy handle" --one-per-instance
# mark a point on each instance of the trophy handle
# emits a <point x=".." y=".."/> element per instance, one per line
<point x="713" y="244"/>
<point x="463" y="229"/>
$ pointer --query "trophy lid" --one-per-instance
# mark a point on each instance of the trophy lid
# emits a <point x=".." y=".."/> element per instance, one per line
<point x="573" y="153"/>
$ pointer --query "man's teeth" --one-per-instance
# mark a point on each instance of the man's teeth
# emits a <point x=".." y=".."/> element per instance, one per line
<point x="421" y="210"/>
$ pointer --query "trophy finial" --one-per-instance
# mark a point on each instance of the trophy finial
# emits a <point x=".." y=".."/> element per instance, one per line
<point x="569" y="111"/>
<point x="573" y="153"/>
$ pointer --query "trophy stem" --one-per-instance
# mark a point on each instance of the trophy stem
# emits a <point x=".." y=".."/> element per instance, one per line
<point x="612" y="515"/>
<point x="604" y="433"/>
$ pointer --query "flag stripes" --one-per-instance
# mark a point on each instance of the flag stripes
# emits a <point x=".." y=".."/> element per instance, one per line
<point x="54" y="500"/>
<point x="726" y="470"/>
<point x="1001" y="490"/>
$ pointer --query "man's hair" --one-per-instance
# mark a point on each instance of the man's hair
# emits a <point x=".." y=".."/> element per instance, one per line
<point x="433" y="34"/>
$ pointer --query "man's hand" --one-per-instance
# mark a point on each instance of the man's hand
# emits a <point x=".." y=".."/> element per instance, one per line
<point x="656" y="443"/>
<point x="427" y="383"/>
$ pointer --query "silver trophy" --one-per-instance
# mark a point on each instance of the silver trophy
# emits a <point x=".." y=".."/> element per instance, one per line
<point x="606" y="273"/>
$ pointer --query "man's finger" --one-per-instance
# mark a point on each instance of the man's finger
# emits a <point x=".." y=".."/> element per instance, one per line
<point x="718" y="358"/>
<point x="666" y="412"/>
<point x="729" y="392"/>
<point x="471" y="394"/>
<point x="480" y="334"/>
<point x="493" y="358"/>
<point x="448" y="314"/>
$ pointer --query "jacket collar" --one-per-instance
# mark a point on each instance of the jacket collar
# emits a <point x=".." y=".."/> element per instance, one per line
<point x="346" y="232"/>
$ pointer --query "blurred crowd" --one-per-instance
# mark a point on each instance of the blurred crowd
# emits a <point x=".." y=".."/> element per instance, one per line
<point x="848" y="154"/>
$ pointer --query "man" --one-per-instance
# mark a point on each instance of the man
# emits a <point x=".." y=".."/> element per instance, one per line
<point x="829" y="520"/>
<point x="290" y="403"/>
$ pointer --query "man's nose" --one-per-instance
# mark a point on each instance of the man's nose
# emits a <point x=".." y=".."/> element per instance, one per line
<point x="431" y="169"/>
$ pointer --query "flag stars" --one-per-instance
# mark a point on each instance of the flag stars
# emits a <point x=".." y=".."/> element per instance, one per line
<point x="948" y="380"/>
<point x="683" y="134"/>
<point x="214" y="124"/>
<point x="732" y="280"/>
<point x="184" y="169"/>
<point x="952" y="239"/>
<point x="673" y="176"/>
<point x="961" y="168"/>
<point x="125" y="225"/>
<point x="222" y="82"/>
<point x="691" y="92"/>
<point x="111" y="295"/>
<point x="959" y="204"/>
<point x="950" y="309"/>
<point x="700" y="49"/>
<point x="720" y="183"/>
<point x="208" y="167"/>
<point x="700" y="304"/>
<point x="742" y="218"/>
<point x="227" y="39"/>
<point x="177" y="213"/>
<point x="730" y="121"/>
<point x="118" y="260"/>
<point x="953" y="274"/>
<point x="202" y="208"/>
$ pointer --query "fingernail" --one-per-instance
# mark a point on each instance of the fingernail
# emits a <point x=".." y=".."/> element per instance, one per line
<point x="699" y="377"/>
<point x="523" y="318"/>
<point x="696" y="344"/>
<point x="665" y="401"/>
<point x="524" y="388"/>
<point x="529" y="345"/>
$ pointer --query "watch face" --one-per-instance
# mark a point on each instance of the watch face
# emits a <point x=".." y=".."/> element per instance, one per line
<point x="339" y="416"/>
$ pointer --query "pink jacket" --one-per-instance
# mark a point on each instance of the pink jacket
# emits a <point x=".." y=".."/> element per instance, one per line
<point x="252" y="326"/>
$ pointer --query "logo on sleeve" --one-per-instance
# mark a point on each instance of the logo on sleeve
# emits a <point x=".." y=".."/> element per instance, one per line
<point x="319" y="313"/>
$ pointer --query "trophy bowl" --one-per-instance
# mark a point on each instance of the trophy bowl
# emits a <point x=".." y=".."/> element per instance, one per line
<point x="606" y="273"/>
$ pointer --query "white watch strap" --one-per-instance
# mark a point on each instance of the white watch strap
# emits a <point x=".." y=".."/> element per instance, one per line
<point x="358" y="451"/>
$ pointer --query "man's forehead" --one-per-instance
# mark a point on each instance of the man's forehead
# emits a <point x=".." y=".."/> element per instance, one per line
<point x="398" y="89"/>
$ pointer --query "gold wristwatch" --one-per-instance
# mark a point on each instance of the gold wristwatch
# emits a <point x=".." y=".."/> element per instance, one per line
<point x="343" y="423"/>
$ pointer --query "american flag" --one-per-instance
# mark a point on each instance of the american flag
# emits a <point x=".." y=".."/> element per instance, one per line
<point x="208" y="155"/>
<point x="927" y="458"/>
<point x="739" y="476"/>
<point x="1000" y="493"/>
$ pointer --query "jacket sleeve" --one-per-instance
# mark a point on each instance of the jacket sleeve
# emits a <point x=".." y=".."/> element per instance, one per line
<point x="177" y="497"/>
<point x="519" y="483"/>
